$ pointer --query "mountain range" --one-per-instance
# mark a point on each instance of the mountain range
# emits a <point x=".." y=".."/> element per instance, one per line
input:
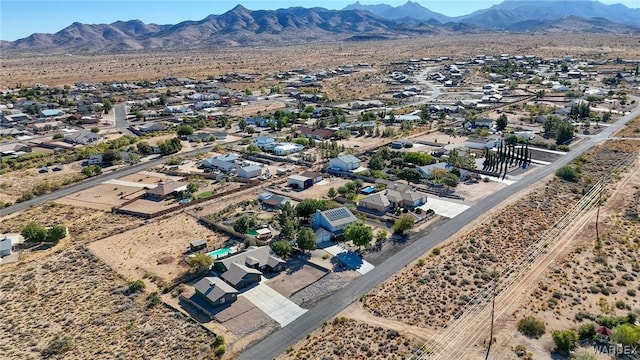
<point x="241" y="27"/>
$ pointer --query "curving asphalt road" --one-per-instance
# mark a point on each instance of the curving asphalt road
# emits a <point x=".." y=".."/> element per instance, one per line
<point x="277" y="342"/>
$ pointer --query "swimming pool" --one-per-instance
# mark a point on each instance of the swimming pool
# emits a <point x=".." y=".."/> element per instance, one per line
<point x="220" y="252"/>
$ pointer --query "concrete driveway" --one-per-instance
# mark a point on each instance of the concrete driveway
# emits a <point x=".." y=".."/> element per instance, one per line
<point x="448" y="209"/>
<point x="278" y="307"/>
<point x="349" y="259"/>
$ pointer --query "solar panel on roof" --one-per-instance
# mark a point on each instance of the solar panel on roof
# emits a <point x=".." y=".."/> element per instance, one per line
<point x="336" y="214"/>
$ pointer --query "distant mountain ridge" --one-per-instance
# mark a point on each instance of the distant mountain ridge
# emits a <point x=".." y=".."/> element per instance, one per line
<point x="241" y="26"/>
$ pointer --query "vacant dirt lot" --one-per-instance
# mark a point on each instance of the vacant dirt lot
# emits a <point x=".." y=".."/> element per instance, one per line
<point x="156" y="248"/>
<point x="297" y="276"/>
<point x="343" y="338"/>
<point x="102" y="197"/>
<point x="74" y="296"/>
<point x="14" y="183"/>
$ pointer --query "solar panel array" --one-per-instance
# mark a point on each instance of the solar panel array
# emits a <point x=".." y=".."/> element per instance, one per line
<point x="337" y="214"/>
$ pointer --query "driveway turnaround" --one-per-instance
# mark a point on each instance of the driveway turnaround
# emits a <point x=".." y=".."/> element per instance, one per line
<point x="278" y="307"/>
<point x="448" y="209"/>
<point x="350" y="259"/>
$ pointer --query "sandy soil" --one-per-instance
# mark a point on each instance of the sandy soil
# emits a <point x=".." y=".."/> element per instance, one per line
<point x="13" y="183"/>
<point x="157" y="247"/>
<point x="74" y="296"/>
<point x="582" y="268"/>
<point x="101" y="197"/>
<point x="295" y="278"/>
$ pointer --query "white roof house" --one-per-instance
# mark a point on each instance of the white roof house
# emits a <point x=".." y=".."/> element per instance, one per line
<point x="345" y="162"/>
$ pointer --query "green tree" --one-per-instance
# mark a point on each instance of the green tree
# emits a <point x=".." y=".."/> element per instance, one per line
<point x="192" y="188"/>
<point x="306" y="239"/>
<point x="106" y="105"/>
<point x="359" y="233"/>
<point x="288" y="230"/>
<point x="376" y="162"/>
<point x="409" y="174"/>
<point x="170" y="146"/>
<point x="531" y="327"/>
<point x="144" y="147"/>
<point x="307" y="207"/>
<point x="95" y="130"/>
<point x="111" y="156"/>
<point x="252" y="149"/>
<point x="502" y="122"/>
<point x="287" y="212"/>
<point x="417" y="158"/>
<point x="564" y="132"/>
<point x="282" y="248"/>
<point x="242" y="124"/>
<point x="586" y="331"/>
<point x="91" y="170"/>
<point x="404" y="223"/>
<point x="184" y="130"/>
<point x="332" y="192"/>
<point x="199" y="263"/>
<point x="381" y="235"/>
<point x="242" y="224"/>
<point x="56" y="233"/>
<point x="565" y="340"/>
<point x="33" y="232"/>
<point x="626" y="334"/>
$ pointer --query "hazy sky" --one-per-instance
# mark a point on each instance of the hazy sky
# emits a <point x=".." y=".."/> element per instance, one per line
<point x="20" y="18"/>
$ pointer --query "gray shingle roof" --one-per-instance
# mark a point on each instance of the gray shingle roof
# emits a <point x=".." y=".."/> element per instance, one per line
<point x="213" y="288"/>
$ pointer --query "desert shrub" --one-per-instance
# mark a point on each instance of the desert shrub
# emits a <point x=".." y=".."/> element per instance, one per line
<point x="136" y="286"/>
<point x="631" y="292"/>
<point x="531" y="327"/>
<point x="435" y="251"/>
<point x="568" y="173"/>
<point x="58" y="345"/>
<point x="153" y="299"/>
<point x="586" y="331"/>
<point x="565" y="340"/>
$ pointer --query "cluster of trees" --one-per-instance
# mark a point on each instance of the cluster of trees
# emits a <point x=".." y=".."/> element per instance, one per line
<point x="507" y="155"/>
<point x="290" y="230"/>
<point x="579" y="111"/>
<point x="502" y="122"/>
<point x="34" y="232"/>
<point x="350" y="189"/>
<point x="244" y="223"/>
<point x="91" y="170"/>
<point x="559" y="129"/>
<point x="184" y="130"/>
<point x="442" y="176"/>
<point x="170" y="146"/>
<point x="626" y="334"/>
<point x="417" y="158"/>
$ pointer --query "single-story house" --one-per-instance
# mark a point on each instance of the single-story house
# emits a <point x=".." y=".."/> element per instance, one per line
<point x="286" y="148"/>
<point x="264" y="142"/>
<point x="51" y="112"/>
<point x="316" y="176"/>
<point x="249" y="172"/>
<point x="215" y="291"/>
<point x="345" y="163"/>
<point x="246" y="268"/>
<point x="299" y="181"/>
<point x="257" y="121"/>
<point x="333" y="220"/>
<point x="482" y="142"/>
<point x="163" y="190"/>
<point x="151" y="127"/>
<point x="240" y="275"/>
<point x="377" y="202"/>
<point x="274" y="201"/>
<point x="427" y="170"/>
<point x="224" y="162"/>
<point x="318" y="134"/>
<point x="82" y="137"/>
<point x="407" y="198"/>
<point x="366" y="104"/>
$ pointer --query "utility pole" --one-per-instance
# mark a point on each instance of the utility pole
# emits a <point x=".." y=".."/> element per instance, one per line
<point x="493" y="308"/>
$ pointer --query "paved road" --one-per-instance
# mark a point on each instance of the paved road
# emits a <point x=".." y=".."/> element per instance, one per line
<point x="96" y="181"/>
<point x="277" y="342"/>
